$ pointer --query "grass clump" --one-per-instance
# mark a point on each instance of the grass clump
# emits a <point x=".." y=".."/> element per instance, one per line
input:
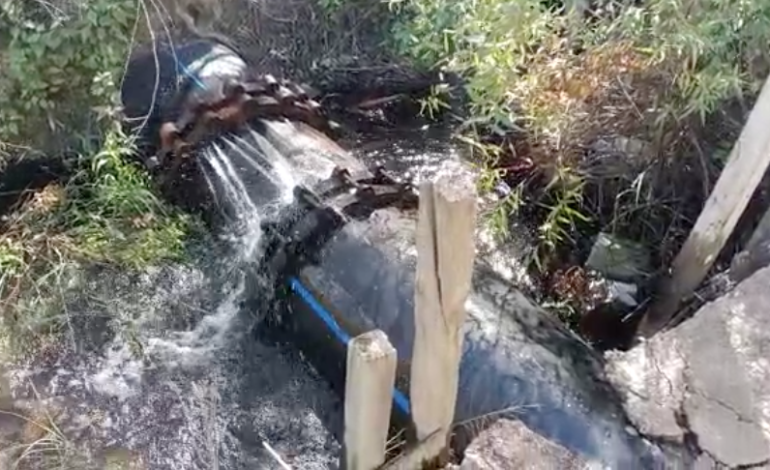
<point x="59" y="71"/>
<point x="104" y="213"/>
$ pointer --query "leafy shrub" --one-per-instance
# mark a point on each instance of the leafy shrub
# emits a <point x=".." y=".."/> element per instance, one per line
<point x="60" y="61"/>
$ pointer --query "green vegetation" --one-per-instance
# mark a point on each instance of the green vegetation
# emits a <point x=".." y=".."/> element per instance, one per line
<point x="59" y="67"/>
<point x="552" y="83"/>
<point x="61" y="61"/>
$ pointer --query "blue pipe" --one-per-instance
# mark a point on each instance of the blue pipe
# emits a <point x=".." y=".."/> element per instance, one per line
<point x="400" y="400"/>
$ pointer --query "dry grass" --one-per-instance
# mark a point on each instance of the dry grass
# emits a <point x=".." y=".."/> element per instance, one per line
<point x="575" y="99"/>
<point x="617" y="94"/>
<point x="25" y="246"/>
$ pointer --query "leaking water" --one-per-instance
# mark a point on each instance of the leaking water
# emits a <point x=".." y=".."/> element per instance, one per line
<point x="399" y="152"/>
<point x="162" y="362"/>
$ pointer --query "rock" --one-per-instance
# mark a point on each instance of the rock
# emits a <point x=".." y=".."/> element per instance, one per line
<point x="7" y="458"/>
<point x="651" y="397"/>
<point x="618" y="259"/>
<point x="616" y="267"/>
<point x="614" y="157"/>
<point x="509" y="444"/>
<point x="704" y="462"/>
<point x="623" y="293"/>
<point x="707" y="379"/>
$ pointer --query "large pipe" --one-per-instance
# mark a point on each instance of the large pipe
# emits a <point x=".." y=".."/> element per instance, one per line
<point x="360" y="276"/>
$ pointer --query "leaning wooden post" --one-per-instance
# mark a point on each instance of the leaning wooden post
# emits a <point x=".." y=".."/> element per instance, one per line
<point x="445" y="256"/>
<point x="745" y="168"/>
<point x="371" y="375"/>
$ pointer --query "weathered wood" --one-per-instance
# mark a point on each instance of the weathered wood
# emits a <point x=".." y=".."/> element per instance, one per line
<point x="745" y="168"/>
<point x="445" y="255"/>
<point x="371" y="375"/>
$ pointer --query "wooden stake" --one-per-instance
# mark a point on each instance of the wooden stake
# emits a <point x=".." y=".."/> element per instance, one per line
<point x="371" y="375"/>
<point x="747" y="165"/>
<point x="445" y="256"/>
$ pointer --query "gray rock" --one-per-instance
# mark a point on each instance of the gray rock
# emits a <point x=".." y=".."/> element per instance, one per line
<point x="708" y="377"/>
<point x="619" y="259"/>
<point x="7" y="458"/>
<point x="623" y="292"/>
<point x="704" y="462"/>
<point x="11" y="428"/>
<point x="511" y="445"/>
<point x="11" y="422"/>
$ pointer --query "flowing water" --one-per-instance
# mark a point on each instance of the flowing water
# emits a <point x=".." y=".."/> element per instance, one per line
<point x="416" y="154"/>
<point x="161" y="365"/>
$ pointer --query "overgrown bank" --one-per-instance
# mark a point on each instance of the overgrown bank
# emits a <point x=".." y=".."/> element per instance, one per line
<point x="611" y="117"/>
<point x="60" y="66"/>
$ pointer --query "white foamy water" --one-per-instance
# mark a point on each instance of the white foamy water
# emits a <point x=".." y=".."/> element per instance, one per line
<point x="234" y="187"/>
<point x="197" y="347"/>
<point x="273" y="165"/>
<point x="215" y="329"/>
<point x="265" y="166"/>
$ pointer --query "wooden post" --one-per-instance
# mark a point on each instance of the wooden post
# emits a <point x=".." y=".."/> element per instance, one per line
<point x="371" y="375"/>
<point x="445" y="256"/>
<point x="745" y="168"/>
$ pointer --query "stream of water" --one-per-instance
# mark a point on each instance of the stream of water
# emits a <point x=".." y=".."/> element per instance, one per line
<point x="161" y="365"/>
